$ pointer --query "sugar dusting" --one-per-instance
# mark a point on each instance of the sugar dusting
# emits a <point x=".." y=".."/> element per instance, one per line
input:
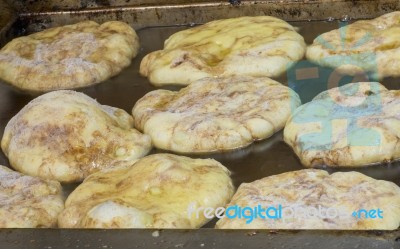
<point x="66" y="55"/>
<point x="14" y="185"/>
<point x="9" y="178"/>
<point x="28" y="202"/>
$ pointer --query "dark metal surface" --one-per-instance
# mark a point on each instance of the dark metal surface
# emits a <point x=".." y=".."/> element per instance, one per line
<point x="195" y="239"/>
<point x="46" y="5"/>
<point x="259" y="160"/>
<point x="284" y="8"/>
<point x="203" y="11"/>
<point x="7" y="17"/>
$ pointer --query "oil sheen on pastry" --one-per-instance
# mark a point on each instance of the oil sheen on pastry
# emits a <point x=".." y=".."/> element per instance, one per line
<point x="66" y="135"/>
<point x="155" y="192"/>
<point x="215" y="114"/>
<point x="251" y="46"/>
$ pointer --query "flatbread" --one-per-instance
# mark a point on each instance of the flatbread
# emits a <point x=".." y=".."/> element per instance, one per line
<point x="68" y="57"/>
<point x="361" y="47"/>
<point x="354" y="125"/>
<point x="66" y="135"/>
<point x="252" y="46"/>
<point x="28" y="202"/>
<point x="155" y="192"/>
<point x="215" y="114"/>
<point x="339" y="200"/>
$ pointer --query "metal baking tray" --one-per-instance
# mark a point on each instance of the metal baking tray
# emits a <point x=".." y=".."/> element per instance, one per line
<point x="264" y="158"/>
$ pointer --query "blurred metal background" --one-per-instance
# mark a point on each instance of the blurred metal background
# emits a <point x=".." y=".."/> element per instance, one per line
<point x="142" y="13"/>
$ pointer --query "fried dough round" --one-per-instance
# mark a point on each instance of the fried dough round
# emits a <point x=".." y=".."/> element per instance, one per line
<point x="215" y="114"/>
<point x="361" y="47"/>
<point x="28" y="202"/>
<point x="353" y="125"/>
<point x="155" y="192"/>
<point x="250" y="46"/>
<point x="66" y="135"/>
<point x="313" y="199"/>
<point x="68" y="57"/>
